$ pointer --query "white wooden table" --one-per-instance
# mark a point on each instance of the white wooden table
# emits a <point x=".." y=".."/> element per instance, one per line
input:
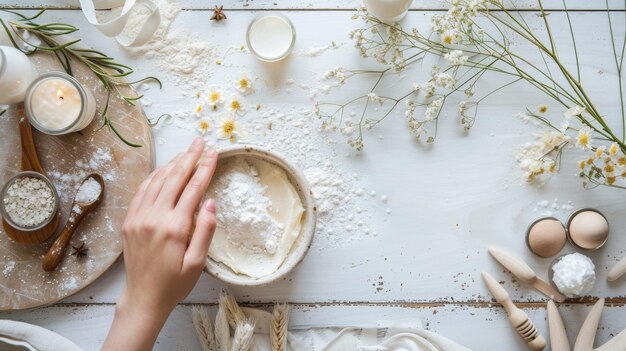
<point x="448" y="202"/>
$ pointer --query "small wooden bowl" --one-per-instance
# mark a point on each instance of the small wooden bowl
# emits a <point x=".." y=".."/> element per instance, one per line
<point x="30" y="235"/>
<point x="301" y="245"/>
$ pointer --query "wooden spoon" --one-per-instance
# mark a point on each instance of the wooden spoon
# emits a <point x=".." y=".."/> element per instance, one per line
<point x="558" y="336"/>
<point x="79" y="211"/>
<point x="30" y="162"/>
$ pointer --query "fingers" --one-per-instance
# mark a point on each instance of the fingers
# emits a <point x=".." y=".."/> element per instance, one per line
<point x="179" y="177"/>
<point x="195" y="256"/>
<point x="199" y="182"/>
<point x="133" y="207"/>
<point x="153" y="189"/>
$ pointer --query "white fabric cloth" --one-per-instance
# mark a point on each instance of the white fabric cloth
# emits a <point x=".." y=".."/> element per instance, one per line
<point x="27" y="337"/>
<point x="114" y="26"/>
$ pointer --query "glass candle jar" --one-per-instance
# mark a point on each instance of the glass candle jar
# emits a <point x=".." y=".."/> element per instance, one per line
<point x="388" y="11"/>
<point x="16" y="74"/>
<point x="271" y="36"/>
<point x="56" y="103"/>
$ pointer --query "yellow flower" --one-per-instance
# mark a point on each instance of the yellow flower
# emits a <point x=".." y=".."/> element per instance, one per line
<point x="623" y="175"/>
<point x="244" y="85"/>
<point x="228" y="129"/>
<point x="447" y="38"/>
<point x="613" y="149"/>
<point x="584" y="138"/>
<point x="543" y="108"/>
<point x="552" y="167"/>
<point x="204" y="126"/>
<point x="600" y="152"/>
<point x="590" y="160"/>
<point x="235" y="106"/>
<point x="582" y="164"/>
<point x="621" y="161"/>
<point x="215" y="98"/>
<point x="609" y="168"/>
<point x="198" y="110"/>
<point x="610" y="180"/>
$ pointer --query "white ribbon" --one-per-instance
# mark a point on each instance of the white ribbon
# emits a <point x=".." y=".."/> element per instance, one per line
<point x="114" y="27"/>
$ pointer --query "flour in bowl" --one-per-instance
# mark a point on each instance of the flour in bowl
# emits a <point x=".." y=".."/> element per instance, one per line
<point x="258" y="218"/>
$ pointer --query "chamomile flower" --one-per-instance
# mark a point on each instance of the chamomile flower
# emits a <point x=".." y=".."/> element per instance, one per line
<point x="573" y="111"/>
<point x="235" y="105"/>
<point x="600" y="151"/>
<point x="215" y="98"/>
<point x="613" y="149"/>
<point x="447" y="38"/>
<point x="584" y="138"/>
<point x="228" y="128"/>
<point x="204" y="126"/>
<point x="244" y="85"/>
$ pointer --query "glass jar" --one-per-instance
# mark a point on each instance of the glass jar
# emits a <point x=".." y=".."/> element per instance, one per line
<point x="56" y="104"/>
<point x="271" y="36"/>
<point x="16" y="74"/>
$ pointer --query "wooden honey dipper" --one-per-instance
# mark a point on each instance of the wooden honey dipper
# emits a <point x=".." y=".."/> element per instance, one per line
<point x="518" y="318"/>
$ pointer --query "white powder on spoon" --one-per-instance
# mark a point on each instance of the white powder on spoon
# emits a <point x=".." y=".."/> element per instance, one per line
<point x="89" y="191"/>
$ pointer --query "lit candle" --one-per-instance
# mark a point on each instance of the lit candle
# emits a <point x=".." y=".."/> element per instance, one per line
<point x="56" y="103"/>
<point x="271" y="36"/>
<point x="16" y="74"/>
<point x="388" y="11"/>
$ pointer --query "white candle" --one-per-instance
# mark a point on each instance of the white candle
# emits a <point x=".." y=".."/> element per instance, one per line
<point x="271" y="36"/>
<point x="388" y="11"/>
<point x="16" y="74"/>
<point x="56" y="103"/>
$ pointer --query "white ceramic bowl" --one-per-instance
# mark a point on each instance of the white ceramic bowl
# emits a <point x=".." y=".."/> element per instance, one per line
<point x="300" y="246"/>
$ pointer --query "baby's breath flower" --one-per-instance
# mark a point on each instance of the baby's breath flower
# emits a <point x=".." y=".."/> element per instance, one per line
<point x="584" y="138"/>
<point x="375" y="98"/>
<point x="445" y="80"/>
<point x="455" y="57"/>
<point x="244" y="85"/>
<point x="433" y="108"/>
<point x="215" y="97"/>
<point x="204" y="126"/>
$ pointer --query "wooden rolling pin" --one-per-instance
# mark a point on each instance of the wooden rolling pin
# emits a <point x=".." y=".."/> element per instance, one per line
<point x="518" y="318"/>
<point x="524" y="273"/>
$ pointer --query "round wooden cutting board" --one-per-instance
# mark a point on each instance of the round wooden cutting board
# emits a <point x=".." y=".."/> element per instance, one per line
<point x="67" y="159"/>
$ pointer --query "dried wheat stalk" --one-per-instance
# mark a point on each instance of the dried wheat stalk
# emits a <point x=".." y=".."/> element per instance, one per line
<point x="204" y="328"/>
<point x="243" y="339"/>
<point x="222" y="330"/>
<point x="234" y="313"/>
<point x="278" y="328"/>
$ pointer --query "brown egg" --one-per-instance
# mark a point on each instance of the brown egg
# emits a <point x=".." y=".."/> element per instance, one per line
<point x="546" y="236"/>
<point x="588" y="229"/>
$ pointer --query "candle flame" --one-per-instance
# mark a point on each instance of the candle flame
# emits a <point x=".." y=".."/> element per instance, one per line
<point x="60" y="94"/>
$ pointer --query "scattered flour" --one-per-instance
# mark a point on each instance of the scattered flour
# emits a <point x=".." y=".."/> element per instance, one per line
<point x="548" y="207"/>
<point x="314" y="51"/>
<point x="8" y="268"/>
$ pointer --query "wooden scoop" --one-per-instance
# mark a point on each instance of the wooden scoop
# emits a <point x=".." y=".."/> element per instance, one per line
<point x="524" y="273"/>
<point x="30" y="162"/>
<point x="617" y="271"/>
<point x="79" y="211"/>
<point x="558" y="336"/>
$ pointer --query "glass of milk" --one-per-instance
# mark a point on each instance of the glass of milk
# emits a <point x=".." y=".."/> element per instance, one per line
<point x="16" y="74"/>
<point x="271" y="36"/>
<point x="56" y="104"/>
<point x="388" y="11"/>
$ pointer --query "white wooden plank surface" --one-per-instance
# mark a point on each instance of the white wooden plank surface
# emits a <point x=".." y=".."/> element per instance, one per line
<point x="432" y="247"/>
<point x="481" y="329"/>
<point x="328" y="4"/>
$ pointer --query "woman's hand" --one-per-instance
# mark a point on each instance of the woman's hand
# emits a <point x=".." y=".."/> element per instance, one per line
<point x="162" y="262"/>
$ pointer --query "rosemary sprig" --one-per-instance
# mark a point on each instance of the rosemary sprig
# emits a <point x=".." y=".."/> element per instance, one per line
<point x="108" y="71"/>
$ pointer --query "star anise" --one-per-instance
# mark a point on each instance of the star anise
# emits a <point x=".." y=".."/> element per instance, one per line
<point x="218" y="14"/>
<point x="80" y="251"/>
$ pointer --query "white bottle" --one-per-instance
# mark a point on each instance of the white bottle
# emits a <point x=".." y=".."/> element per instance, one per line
<point x="388" y="11"/>
<point x="16" y="74"/>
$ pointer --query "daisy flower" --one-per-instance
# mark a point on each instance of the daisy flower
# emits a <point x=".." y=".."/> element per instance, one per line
<point x="235" y="105"/>
<point x="228" y="128"/>
<point x="204" y="126"/>
<point x="244" y="85"/>
<point x="215" y="97"/>
<point x="584" y="138"/>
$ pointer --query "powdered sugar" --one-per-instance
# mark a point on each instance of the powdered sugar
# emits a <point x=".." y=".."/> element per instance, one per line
<point x="244" y="207"/>
<point x="89" y="191"/>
